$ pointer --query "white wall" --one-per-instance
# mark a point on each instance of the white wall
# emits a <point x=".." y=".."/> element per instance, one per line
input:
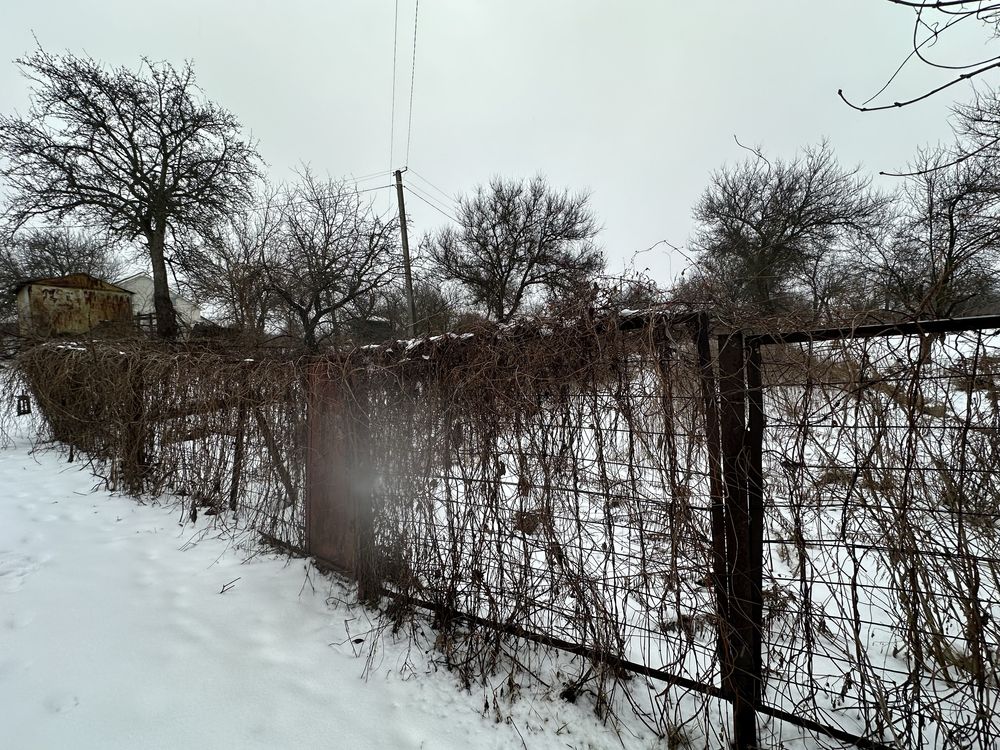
<point x="141" y="285"/>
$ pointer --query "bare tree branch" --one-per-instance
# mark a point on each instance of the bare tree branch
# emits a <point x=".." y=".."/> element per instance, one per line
<point x="933" y="21"/>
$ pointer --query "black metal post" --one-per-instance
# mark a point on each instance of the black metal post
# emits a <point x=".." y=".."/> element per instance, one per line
<point x="720" y="575"/>
<point x="742" y="667"/>
<point x="755" y="501"/>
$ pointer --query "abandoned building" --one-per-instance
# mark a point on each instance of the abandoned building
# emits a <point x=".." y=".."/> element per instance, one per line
<point x="70" y="305"/>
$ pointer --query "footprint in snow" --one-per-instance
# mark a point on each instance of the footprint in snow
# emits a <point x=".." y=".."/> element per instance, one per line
<point x="11" y="668"/>
<point x="17" y="620"/>
<point x="14" y="569"/>
<point x="61" y="704"/>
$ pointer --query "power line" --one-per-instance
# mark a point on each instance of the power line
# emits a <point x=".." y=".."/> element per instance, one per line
<point x="413" y="70"/>
<point x="421" y="198"/>
<point x="447" y="202"/>
<point x="392" y="106"/>
<point x="355" y="181"/>
<point x="356" y="189"/>
<point x="420" y="177"/>
<point x="364" y="178"/>
<point x="446" y="207"/>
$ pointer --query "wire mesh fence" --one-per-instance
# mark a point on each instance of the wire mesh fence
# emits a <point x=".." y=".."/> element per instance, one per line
<point x="224" y="431"/>
<point x="880" y="535"/>
<point x="758" y="540"/>
<point x="550" y="483"/>
<point x="804" y="528"/>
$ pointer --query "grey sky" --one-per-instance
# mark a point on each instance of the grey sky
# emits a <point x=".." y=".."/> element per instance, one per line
<point x="636" y="101"/>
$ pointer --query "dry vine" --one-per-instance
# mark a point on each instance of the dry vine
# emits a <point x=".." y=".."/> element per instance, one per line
<point x="552" y="481"/>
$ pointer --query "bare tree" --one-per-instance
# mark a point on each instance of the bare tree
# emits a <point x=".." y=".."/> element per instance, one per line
<point x="58" y="252"/>
<point x="618" y="295"/>
<point x="774" y="237"/>
<point x="516" y="239"/>
<point x="228" y="270"/>
<point x="438" y="308"/>
<point x="137" y="153"/>
<point x="944" y="253"/>
<point x="977" y="127"/>
<point x="333" y="253"/>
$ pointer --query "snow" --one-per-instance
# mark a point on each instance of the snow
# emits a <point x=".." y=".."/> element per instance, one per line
<point x="122" y="627"/>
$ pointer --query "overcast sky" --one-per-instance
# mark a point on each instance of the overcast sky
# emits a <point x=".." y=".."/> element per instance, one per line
<point x="637" y="102"/>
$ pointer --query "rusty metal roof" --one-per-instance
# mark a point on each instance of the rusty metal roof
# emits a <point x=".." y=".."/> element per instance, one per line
<point x="73" y="281"/>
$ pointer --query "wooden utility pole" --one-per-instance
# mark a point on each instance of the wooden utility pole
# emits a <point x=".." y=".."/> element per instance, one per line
<point x="406" y="255"/>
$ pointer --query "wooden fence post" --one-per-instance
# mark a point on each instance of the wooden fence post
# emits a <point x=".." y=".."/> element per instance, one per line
<point x="134" y="441"/>
<point x="329" y="510"/>
<point x="239" y="447"/>
<point x="363" y="496"/>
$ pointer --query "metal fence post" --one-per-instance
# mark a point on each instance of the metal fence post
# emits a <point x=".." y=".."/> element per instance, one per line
<point x="755" y="504"/>
<point x="720" y="575"/>
<point x="743" y="666"/>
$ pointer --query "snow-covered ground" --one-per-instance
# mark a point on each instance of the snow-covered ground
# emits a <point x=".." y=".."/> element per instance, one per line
<point x="121" y="627"/>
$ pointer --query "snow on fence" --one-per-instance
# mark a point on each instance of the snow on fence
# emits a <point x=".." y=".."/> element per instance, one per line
<point x="763" y="539"/>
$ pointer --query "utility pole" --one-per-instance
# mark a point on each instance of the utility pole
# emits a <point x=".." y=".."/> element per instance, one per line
<point x="406" y="255"/>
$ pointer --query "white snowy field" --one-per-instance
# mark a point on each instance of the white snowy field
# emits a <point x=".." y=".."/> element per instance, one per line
<point x="121" y="627"/>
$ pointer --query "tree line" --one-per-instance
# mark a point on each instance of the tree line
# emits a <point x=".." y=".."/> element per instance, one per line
<point x="809" y="240"/>
<point x="112" y="166"/>
<point x="143" y="160"/>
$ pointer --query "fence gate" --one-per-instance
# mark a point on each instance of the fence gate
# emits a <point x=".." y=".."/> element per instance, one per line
<point x="331" y="514"/>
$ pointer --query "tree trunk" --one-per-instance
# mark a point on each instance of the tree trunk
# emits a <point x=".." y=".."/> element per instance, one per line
<point x="309" y="334"/>
<point x="166" y="317"/>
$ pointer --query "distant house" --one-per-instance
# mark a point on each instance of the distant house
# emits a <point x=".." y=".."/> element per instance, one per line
<point x="141" y="286"/>
<point x="68" y="305"/>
